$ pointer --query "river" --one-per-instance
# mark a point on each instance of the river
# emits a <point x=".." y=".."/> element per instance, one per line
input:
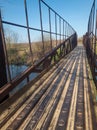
<point x="16" y="70"/>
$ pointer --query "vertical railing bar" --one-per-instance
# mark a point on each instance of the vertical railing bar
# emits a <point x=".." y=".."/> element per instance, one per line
<point x="60" y="28"/>
<point x="91" y="30"/>
<point x="70" y="31"/>
<point x="88" y="26"/>
<point x="56" y="27"/>
<point x="50" y="27"/>
<point x="93" y="9"/>
<point x="91" y="22"/>
<point x="28" y="79"/>
<point x="96" y="34"/>
<point x="63" y="30"/>
<point x="93" y="26"/>
<point x="60" y="32"/>
<point x="28" y="32"/>
<point x="41" y="25"/>
<point x="5" y="49"/>
<point x="95" y="50"/>
<point x="67" y="30"/>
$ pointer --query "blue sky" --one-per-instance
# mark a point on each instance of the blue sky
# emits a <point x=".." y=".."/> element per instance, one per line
<point x="76" y="12"/>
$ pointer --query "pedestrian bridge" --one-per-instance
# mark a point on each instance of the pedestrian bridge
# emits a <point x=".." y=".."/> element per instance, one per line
<point x="60" y="99"/>
<point x="63" y="94"/>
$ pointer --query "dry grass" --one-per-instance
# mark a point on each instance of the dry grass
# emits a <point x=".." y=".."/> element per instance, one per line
<point x="19" y="53"/>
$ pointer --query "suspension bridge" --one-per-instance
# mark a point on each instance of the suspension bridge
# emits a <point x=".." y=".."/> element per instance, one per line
<point x="62" y="95"/>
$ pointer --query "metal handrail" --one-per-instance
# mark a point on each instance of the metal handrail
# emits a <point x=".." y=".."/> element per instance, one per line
<point x="68" y="43"/>
<point x="90" y="42"/>
<point x="10" y="86"/>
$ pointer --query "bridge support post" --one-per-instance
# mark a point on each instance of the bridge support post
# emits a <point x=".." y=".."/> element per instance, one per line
<point x="3" y="73"/>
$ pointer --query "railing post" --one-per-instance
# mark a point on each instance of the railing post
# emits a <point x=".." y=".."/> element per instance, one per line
<point x="3" y="73"/>
<point x="41" y="24"/>
<point x="28" y="31"/>
<point x="95" y="50"/>
<point x="63" y="30"/>
<point x="60" y="28"/>
<point x="56" y="27"/>
<point x="50" y="28"/>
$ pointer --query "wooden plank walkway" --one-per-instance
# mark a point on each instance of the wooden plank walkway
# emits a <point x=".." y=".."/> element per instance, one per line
<point x="60" y="100"/>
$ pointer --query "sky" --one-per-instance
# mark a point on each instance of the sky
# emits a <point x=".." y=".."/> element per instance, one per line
<point x="76" y="12"/>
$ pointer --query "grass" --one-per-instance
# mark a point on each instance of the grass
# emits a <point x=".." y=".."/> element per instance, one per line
<point x="56" y="56"/>
<point x="19" y="53"/>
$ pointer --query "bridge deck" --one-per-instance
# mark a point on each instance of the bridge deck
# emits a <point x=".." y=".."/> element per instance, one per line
<point x="60" y="100"/>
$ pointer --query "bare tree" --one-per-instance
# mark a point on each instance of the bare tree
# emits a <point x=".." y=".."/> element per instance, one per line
<point x="11" y="39"/>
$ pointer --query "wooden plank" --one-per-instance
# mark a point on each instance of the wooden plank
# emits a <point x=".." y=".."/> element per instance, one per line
<point x="46" y="121"/>
<point x="52" y="88"/>
<point x="49" y="82"/>
<point x="71" y="118"/>
<point x="33" y="88"/>
<point x="63" y="117"/>
<point x="79" y="116"/>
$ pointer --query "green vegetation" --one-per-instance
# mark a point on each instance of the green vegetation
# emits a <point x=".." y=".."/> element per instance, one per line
<point x="57" y="57"/>
<point x="19" y="54"/>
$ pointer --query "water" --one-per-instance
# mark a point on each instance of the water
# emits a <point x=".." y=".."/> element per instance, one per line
<point x="96" y="71"/>
<point x="16" y="70"/>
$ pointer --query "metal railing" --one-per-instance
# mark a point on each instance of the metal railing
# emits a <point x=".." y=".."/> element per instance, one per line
<point x="90" y="42"/>
<point x="60" y="39"/>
